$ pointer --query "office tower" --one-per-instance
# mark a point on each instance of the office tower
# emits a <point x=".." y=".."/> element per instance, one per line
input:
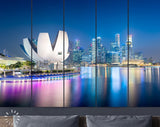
<point x="93" y="51"/>
<point x="138" y="56"/>
<point x="77" y="43"/>
<point x="112" y="57"/>
<point x="108" y="57"/>
<point x="101" y="51"/>
<point x="130" y="39"/>
<point x="87" y="55"/>
<point x="117" y="40"/>
<point x="113" y="47"/>
<point x="103" y="54"/>
<point x="77" y="53"/>
<point x="115" y="58"/>
<point x="115" y="52"/>
<point x="130" y="44"/>
<point x="123" y="52"/>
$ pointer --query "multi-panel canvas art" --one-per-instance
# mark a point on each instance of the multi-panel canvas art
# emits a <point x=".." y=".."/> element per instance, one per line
<point x="79" y="53"/>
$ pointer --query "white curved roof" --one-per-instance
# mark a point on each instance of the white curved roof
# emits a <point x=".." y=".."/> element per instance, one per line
<point x="27" y="47"/>
<point x="46" y="51"/>
<point x="44" y="47"/>
<point x="58" y="46"/>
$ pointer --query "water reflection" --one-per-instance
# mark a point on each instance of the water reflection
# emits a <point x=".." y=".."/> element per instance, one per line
<point x="83" y="88"/>
<point x="112" y="89"/>
<point x="15" y="93"/>
<point x="144" y="89"/>
<point x="47" y="93"/>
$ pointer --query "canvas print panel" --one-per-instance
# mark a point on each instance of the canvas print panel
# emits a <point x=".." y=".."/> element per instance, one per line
<point x="47" y="47"/>
<point x="144" y="53"/>
<point x="112" y="53"/>
<point x="15" y="82"/>
<point x="80" y="26"/>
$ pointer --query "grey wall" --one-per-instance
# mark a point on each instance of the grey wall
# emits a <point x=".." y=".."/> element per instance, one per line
<point x="83" y="111"/>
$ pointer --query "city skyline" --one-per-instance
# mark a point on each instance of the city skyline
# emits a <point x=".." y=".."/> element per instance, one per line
<point x="86" y="48"/>
<point x="116" y="54"/>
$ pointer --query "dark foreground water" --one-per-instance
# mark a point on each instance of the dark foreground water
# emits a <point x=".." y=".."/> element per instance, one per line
<point x="112" y="89"/>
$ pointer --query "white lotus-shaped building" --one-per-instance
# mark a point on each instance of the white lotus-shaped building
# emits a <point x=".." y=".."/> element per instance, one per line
<point x="45" y="51"/>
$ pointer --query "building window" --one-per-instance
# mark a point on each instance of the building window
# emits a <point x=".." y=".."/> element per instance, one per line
<point x="59" y="53"/>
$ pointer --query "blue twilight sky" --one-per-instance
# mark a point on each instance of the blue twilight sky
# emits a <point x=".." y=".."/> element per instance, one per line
<point x="80" y="22"/>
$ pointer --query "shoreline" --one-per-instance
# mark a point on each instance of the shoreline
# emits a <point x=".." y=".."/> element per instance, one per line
<point x="35" y="77"/>
<point x="55" y="76"/>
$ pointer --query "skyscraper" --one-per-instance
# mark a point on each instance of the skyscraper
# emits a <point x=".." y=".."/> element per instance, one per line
<point x="93" y="50"/>
<point x="130" y="44"/>
<point x="77" y="53"/>
<point x="117" y="40"/>
<point x="99" y="49"/>
<point x="123" y="52"/>
<point x="77" y="43"/>
<point x="87" y="55"/>
<point x="115" y="52"/>
<point x="113" y="47"/>
<point x="101" y="52"/>
<point x="138" y="56"/>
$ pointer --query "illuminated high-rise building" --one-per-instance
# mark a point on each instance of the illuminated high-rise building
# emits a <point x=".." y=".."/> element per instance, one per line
<point x="93" y="50"/>
<point x="130" y="39"/>
<point x="77" y="43"/>
<point x="130" y="44"/>
<point x="99" y="49"/>
<point x="117" y="40"/>
<point x="77" y="53"/>
<point x="113" y="47"/>
<point x="87" y="56"/>
<point x="115" y="52"/>
<point x="123" y="52"/>
<point x="101" y="52"/>
<point x="138" y="56"/>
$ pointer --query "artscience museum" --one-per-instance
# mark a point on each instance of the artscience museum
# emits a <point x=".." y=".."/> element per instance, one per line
<point x="45" y="51"/>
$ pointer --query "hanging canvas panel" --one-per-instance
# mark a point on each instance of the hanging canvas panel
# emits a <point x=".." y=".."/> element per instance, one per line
<point x="112" y="84"/>
<point x="15" y="28"/>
